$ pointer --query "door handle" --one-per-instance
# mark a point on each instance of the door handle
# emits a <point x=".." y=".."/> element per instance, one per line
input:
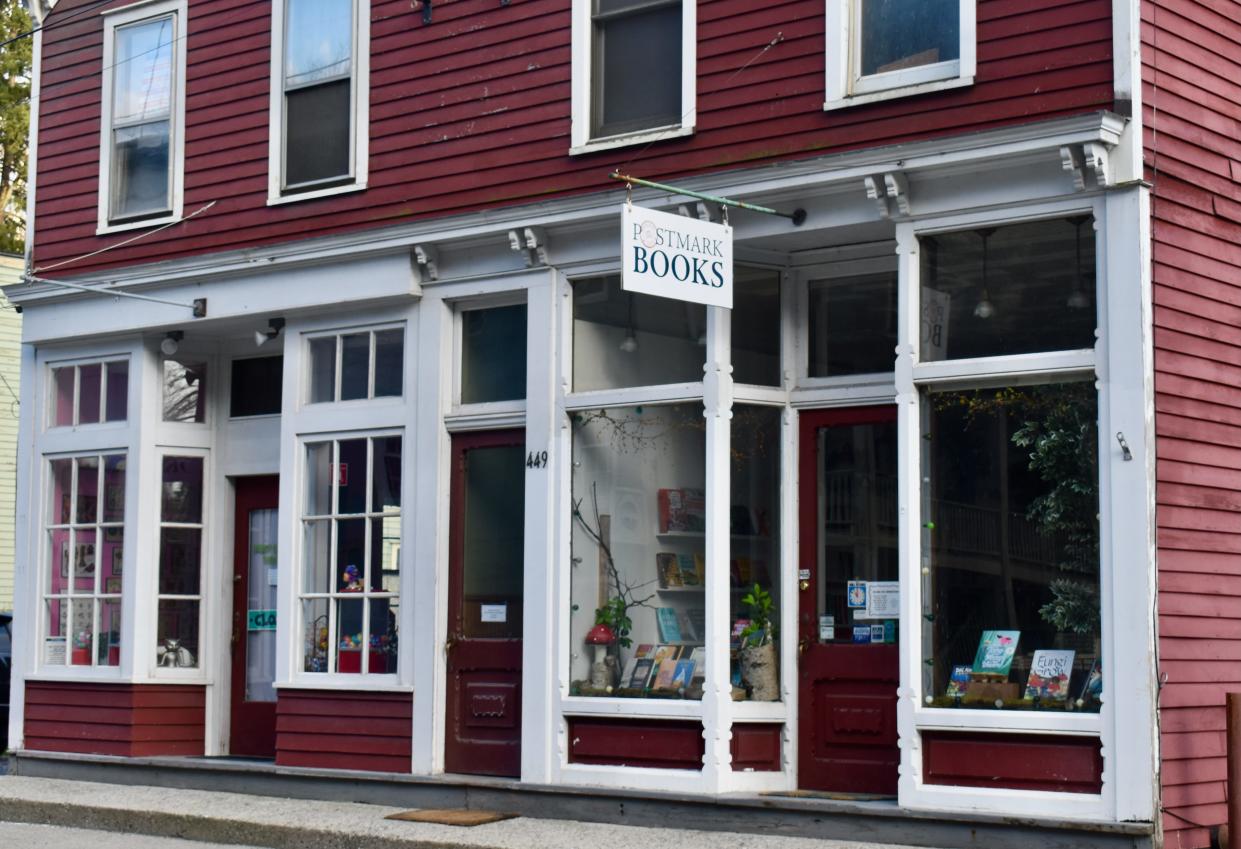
<point x="801" y="646"/>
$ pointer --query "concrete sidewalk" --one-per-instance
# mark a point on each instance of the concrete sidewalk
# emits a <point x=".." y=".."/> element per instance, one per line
<point x="306" y="824"/>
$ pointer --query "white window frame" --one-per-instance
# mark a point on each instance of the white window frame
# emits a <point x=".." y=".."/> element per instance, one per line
<point x="359" y="93"/>
<point x="338" y="333"/>
<point x="582" y="86"/>
<point x="204" y="650"/>
<point x="482" y="413"/>
<point x="845" y="86"/>
<point x="49" y="406"/>
<point x="113" y="19"/>
<point x="363" y="679"/>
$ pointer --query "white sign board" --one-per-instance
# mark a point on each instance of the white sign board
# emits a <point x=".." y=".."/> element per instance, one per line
<point x="674" y="256"/>
<point x="493" y="612"/>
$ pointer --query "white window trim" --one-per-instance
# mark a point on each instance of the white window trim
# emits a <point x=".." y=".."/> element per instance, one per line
<point x="582" y="107"/>
<point x="845" y="87"/>
<point x="309" y="336"/>
<point x="49" y="405"/>
<point x="359" y="92"/>
<point x="206" y="651"/>
<point x="488" y="413"/>
<point x="176" y="143"/>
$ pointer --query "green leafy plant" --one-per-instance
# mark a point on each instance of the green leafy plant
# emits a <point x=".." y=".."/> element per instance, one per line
<point x="760" y="607"/>
<point x="615" y="614"/>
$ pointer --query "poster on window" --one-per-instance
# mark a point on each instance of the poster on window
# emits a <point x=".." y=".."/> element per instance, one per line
<point x="675" y="256"/>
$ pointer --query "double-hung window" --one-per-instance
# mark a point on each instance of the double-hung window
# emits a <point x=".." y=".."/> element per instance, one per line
<point x="633" y="71"/>
<point x="878" y="49"/>
<point x="319" y="97"/>
<point x="143" y="120"/>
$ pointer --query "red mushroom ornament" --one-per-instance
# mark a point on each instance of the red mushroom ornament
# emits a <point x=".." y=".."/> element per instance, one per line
<point x="600" y="636"/>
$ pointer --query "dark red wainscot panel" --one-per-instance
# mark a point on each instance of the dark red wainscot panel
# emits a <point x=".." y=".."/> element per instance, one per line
<point x="1015" y="761"/>
<point x="636" y="742"/>
<point x="344" y="730"/>
<point x="756" y="746"/>
<point x="131" y="720"/>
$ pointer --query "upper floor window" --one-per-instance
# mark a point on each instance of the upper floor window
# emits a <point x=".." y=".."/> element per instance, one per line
<point x="141" y="148"/>
<point x="90" y="393"/>
<point x="633" y="71"/>
<point x="319" y="96"/>
<point x="357" y="365"/>
<point x="888" y="48"/>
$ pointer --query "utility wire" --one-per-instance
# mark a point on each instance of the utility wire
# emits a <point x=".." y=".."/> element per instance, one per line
<point x="60" y="22"/>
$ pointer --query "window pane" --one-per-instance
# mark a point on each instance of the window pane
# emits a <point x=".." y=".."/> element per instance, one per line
<point x="317" y="125"/>
<point x="349" y="641"/>
<point x="898" y="34"/>
<point x="638" y="528"/>
<point x="323" y="369"/>
<point x="62" y="396"/>
<point x="386" y="475"/>
<point x="114" y="488"/>
<point x="182" y="495"/>
<point x="87" y="509"/>
<point x="89" y="378"/>
<point x="112" y="564"/>
<point x="621" y="339"/>
<point x="389" y="362"/>
<point x="142" y="71"/>
<point x="351" y="477"/>
<point x="82" y="611"/>
<point x="317" y="556"/>
<point x="319" y="38"/>
<point x="256" y="387"/>
<point x="118" y="391"/>
<point x="140" y="172"/>
<point x="318" y="478"/>
<point x="493" y="354"/>
<point x="1008" y="290"/>
<point x="385" y="554"/>
<point x="185" y="391"/>
<point x="493" y="541"/>
<point x="1011" y="531"/>
<point x="59" y="507"/>
<point x="350" y="555"/>
<point x="57" y="613"/>
<point x="109" y="646"/>
<point x="756" y="326"/>
<point x="83" y="562"/>
<point x="355" y="355"/>
<point x="59" y="547"/>
<point x="315" y="631"/>
<point x="649" y="40"/>
<point x="385" y="620"/>
<point x="177" y="633"/>
<point x="852" y="325"/>
<point x="180" y="561"/>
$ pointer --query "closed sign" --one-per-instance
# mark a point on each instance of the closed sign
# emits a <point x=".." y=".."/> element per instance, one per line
<point x="262" y="620"/>
<point x="674" y="256"/>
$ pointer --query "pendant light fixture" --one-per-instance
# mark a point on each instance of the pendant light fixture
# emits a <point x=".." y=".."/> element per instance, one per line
<point x="1078" y="300"/>
<point x="984" y="309"/>
<point x="630" y="343"/>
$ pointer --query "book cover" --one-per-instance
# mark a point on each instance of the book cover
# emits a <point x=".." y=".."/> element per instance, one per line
<point x="689" y="571"/>
<point x="1093" y="688"/>
<point x="671" y="511"/>
<point x="688" y="634"/>
<point x="627" y="672"/>
<point x="668" y="570"/>
<point x="669" y="627"/>
<point x="644" y="650"/>
<point x="700" y="567"/>
<point x="694" y="503"/>
<point x="663" y="677"/>
<point x="996" y="650"/>
<point x="641" y="672"/>
<point x="958" y="681"/>
<point x="698" y="656"/>
<point x="698" y="622"/>
<point x="1049" y="674"/>
<point x="662" y="653"/>
<point x="683" y="676"/>
<point x="734" y="639"/>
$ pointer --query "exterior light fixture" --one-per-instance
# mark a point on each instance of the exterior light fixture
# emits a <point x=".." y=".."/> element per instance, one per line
<point x="630" y="342"/>
<point x="274" y="326"/>
<point x="984" y="309"/>
<point x="171" y="342"/>
<point x="1078" y="300"/>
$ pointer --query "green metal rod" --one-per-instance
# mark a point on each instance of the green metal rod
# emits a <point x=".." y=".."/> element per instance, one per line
<point x="797" y="216"/>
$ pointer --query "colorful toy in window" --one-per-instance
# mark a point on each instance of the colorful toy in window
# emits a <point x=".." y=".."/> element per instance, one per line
<point x="1092" y="690"/>
<point x="1049" y="675"/>
<point x="958" y="682"/>
<point x="351" y="579"/>
<point x="996" y="651"/>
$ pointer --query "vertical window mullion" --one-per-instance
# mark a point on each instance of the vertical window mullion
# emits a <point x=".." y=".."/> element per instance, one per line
<point x="370" y="365"/>
<point x="340" y="355"/>
<point x="77" y="393"/>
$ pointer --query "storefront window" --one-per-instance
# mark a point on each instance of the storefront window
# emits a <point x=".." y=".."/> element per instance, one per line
<point x="1018" y="289"/>
<point x="180" y="562"/>
<point x="1010" y="531"/>
<point x="754" y="559"/>
<point x="82" y="593"/>
<point x="493" y="354"/>
<point x="357" y="365"/>
<point x="90" y="393"/>
<point x="351" y="526"/>
<point x="185" y="390"/>
<point x="756" y="326"/>
<point x="639" y="571"/>
<point x="621" y="339"/>
<point x="852" y="325"/>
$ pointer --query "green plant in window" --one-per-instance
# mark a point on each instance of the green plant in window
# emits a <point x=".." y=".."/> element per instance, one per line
<point x="760" y="608"/>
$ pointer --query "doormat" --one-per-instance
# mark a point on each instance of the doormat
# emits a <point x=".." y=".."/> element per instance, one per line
<point x="823" y="794"/>
<point x="451" y="816"/>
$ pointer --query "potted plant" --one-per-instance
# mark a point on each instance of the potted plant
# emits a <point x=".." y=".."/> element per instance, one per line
<point x="760" y="670"/>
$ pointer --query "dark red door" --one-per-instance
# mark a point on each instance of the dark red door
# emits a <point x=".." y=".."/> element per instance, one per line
<point x="849" y="663"/>
<point x="486" y="552"/>
<point x="253" y="718"/>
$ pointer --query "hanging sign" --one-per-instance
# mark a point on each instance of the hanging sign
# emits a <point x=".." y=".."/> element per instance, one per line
<point x="674" y="256"/>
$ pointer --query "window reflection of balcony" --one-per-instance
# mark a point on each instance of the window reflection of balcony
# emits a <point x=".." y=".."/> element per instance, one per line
<point x="963" y="531"/>
<point x="854" y="500"/>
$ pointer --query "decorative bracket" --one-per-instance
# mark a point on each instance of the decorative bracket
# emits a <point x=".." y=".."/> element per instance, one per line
<point x="1089" y="164"/>
<point x="426" y="263"/>
<point x="889" y="189"/>
<point x="531" y="242"/>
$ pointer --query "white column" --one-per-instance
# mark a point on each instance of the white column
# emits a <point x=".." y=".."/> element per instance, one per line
<point x="139" y="617"/>
<point x="26" y="637"/>
<point x="717" y="694"/>
<point x="539" y="661"/>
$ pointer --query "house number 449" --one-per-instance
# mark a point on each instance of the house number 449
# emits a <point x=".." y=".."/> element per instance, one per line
<point x="536" y="460"/>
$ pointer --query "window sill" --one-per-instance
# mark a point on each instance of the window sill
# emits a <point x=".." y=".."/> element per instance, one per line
<point x="78" y="674"/>
<point x="1015" y="721"/>
<point x="898" y="92"/>
<point x="643" y="136"/>
<point x="632" y="708"/>
<point x="123" y="226"/>
<point x="348" y="188"/>
<point x="356" y="683"/>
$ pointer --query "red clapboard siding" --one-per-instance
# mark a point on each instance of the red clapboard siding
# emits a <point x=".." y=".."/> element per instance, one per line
<point x="1191" y="65"/>
<point x="636" y="742"/>
<point x="1018" y="761"/>
<point x="473" y="111"/>
<point x="131" y="720"/>
<point x="344" y="730"/>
